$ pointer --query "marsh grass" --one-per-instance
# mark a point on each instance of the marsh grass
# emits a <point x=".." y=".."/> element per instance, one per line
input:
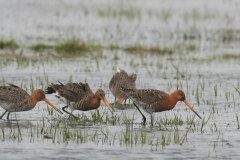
<point x="94" y="128"/>
<point x="196" y="15"/>
<point x="70" y="47"/>
<point x="177" y="120"/>
<point x="185" y="47"/>
<point x="22" y="61"/>
<point x="3" y="133"/>
<point x="217" y="58"/>
<point x="140" y="49"/>
<point x="204" y="122"/>
<point x="128" y="13"/>
<point x="231" y="56"/>
<point x="40" y="47"/>
<point x="11" y="44"/>
<point x="75" y="47"/>
<point x="191" y="47"/>
<point x="237" y="122"/>
<point x="64" y="131"/>
<point x="165" y="15"/>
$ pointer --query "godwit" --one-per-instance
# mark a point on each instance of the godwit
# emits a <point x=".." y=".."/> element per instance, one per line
<point x="121" y="79"/>
<point x="15" y="99"/>
<point x="152" y="100"/>
<point x="77" y="96"/>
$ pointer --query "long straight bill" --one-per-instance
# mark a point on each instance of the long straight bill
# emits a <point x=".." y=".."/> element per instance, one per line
<point x="107" y="104"/>
<point x="48" y="102"/>
<point x="186" y="102"/>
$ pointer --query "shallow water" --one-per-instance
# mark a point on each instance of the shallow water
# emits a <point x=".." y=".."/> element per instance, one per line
<point x="211" y="26"/>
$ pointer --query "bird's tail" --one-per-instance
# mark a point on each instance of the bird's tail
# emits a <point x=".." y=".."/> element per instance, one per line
<point x="133" y="77"/>
<point x="118" y="70"/>
<point x="50" y="90"/>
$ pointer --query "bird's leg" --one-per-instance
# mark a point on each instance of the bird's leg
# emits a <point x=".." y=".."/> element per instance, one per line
<point x="152" y="119"/>
<point x="3" y="114"/>
<point x="125" y="101"/>
<point x="70" y="114"/>
<point x="113" y="110"/>
<point x="8" y="115"/>
<point x="144" y="118"/>
<point x="160" y="126"/>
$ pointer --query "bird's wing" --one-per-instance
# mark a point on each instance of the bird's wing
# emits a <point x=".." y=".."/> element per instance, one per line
<point x="82" y="104"/>
<point x="13" y="94"/>
<point x="69" y="92"/>
<point x="75" y="87"/>
<point x="86" y="88"/>
<point x="145" y="96"/>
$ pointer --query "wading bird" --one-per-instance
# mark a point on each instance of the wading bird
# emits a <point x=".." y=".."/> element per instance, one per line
<point x="121" y="79"/>
<point x="77" y="96"/>
<point x="15" y="99"/>
<point x="152" y="100"/>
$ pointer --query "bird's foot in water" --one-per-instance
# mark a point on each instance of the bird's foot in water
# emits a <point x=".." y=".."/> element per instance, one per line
<point x="144" y="121"/>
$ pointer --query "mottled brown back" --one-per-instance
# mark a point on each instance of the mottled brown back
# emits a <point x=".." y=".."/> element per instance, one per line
<point x="80" y="88"/>
<point x="71" y="91"/>
<point x="12" y="94"/>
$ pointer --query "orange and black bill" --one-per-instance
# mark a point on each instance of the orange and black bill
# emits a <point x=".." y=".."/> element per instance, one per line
<point x="48" y="102"/>
<point x="185" y="101"/>
<point x="107" y="104"/>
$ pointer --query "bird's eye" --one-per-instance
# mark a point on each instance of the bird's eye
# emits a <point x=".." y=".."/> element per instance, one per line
<point x="182" y="95"/>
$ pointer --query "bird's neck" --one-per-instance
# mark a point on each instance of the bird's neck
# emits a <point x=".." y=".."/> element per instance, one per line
<point x="95" y="103"/>
<point x="173" y="101"/>
<point x="33" y="101"/>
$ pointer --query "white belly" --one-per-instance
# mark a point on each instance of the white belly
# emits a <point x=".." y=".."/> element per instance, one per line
<point x="62" y="99"/>
<point x="13" y="107"/>
<point x="5" y="105"/>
